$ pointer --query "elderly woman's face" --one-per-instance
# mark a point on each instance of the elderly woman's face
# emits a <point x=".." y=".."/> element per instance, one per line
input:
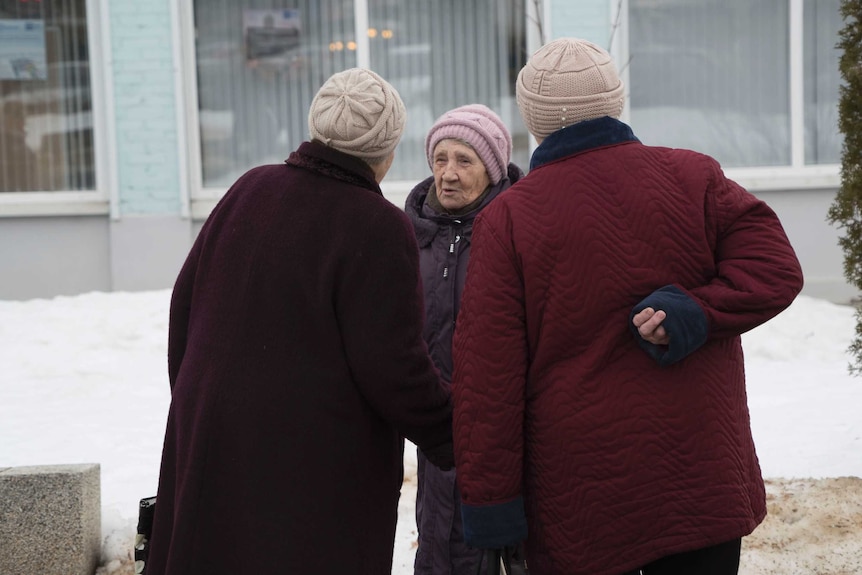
<point x="459" y="175"/>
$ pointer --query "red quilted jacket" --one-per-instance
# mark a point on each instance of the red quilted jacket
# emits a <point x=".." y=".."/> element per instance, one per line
<point x="605" y="452"/>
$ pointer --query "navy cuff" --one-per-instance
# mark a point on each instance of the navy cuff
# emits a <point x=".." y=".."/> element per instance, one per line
<point x="685" y="323"/>
<point x="494" y="526"/>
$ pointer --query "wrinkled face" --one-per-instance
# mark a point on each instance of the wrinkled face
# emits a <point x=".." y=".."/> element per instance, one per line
<point x="459" y="175"/>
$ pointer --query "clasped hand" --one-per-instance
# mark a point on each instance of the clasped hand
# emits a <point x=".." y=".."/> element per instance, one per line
<point x="649" y="324"/>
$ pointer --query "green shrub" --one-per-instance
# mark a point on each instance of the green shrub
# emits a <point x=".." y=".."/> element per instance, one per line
<point x="846" y="210"/>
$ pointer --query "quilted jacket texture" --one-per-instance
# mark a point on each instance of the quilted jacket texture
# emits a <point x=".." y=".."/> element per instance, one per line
<point x="605" y="452"/>
<point x="296" y="366"/>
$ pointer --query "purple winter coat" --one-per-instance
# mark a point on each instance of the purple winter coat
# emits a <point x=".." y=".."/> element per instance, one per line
<point x="444" y="249"/>
<point x="296" y="365"/>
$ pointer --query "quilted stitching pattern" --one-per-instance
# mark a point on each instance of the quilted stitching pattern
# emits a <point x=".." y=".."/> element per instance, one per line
<point x="619" y="460"/>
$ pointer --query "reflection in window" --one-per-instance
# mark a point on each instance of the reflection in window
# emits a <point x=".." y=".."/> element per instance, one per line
<point x="440" y="55"/>
<point x="260" y="62"/>
<point x="712" y="76"/>
<point x="822" y="22"/>
<point x="46" y="128"/>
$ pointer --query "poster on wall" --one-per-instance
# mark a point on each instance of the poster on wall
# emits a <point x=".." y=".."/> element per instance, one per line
<point x="22" y="50"/>
<point x="270" y="33"/>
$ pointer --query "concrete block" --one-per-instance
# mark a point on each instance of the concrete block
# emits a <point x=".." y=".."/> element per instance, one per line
<point x="50" y="520"/>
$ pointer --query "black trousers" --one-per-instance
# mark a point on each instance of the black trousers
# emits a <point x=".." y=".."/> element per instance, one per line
<point x="720" y="559"/>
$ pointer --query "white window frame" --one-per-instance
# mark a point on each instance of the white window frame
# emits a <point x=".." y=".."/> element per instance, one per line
<point x="201" y="200"/>
<point x="797" y="175"/>
<point x="83" y="202"/>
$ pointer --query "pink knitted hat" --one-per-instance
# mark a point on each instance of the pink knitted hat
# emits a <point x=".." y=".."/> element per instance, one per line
<point x="480" y="127"/>
<point x="565" y="82"/>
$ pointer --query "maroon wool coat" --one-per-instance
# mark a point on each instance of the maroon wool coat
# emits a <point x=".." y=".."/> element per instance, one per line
<point x="561" y="418"/>
<point x="296" y="365"/>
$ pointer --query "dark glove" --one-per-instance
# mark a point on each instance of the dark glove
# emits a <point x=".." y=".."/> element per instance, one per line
<point x="442" y="456"/>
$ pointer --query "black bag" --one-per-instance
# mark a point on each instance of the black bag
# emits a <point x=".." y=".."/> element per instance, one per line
<point x="510" y="558"/>
<point x="146" y="512"/>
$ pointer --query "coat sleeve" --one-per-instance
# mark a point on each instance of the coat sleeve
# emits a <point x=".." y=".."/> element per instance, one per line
<point x="490" y="368"/>
<point x="757" y="274"/>
<point x="180" y="311"/>
<point x="380" y="311"/>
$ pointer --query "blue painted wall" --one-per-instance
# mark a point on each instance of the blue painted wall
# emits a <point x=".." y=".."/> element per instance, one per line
<point x="587" y="19"/>
<point x="145" y="107"/>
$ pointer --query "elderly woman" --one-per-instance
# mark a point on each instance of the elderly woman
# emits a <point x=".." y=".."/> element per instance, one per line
<point x="296" y="360"/>
<point x="468" y="151"/>
<point x="599" y="384"/>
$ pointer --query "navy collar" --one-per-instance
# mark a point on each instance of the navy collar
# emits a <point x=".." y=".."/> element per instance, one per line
<point x="582" y="137"/>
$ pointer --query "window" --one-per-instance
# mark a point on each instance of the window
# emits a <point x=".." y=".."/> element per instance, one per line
<point x="260" y="62"/>
<point x="719" y="77"/>
<point x="444" y="54"/>
<point x="259" y="65"/>
<point x="46" y="128"/>
<point x="822" y="22"/>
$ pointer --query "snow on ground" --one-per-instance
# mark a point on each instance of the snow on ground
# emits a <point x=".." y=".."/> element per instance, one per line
<point x="84" y="379"/>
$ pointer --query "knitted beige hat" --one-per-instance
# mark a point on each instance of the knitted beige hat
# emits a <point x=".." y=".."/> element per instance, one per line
<point x="568" y="81"/>
<point x="359" y="113"/>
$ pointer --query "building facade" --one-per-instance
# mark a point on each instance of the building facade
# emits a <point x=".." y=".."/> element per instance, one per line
<point x="124" y="122"/>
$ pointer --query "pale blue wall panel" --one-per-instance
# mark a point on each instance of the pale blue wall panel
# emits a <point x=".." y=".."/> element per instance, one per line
<point x="145" y="107"/>
<point x="587" y="19"/>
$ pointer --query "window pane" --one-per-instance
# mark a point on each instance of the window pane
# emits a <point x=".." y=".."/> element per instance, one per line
<point x="712" y="76"/>
<point x="444" y="54"/>
<point x="46" y="133"/>
<point x="259" y="64"/>
<point x="822" y="22"/>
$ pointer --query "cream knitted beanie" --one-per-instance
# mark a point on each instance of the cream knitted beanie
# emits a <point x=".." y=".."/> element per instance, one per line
<point x="565" y="82"/>
<point x="359" y="113"/>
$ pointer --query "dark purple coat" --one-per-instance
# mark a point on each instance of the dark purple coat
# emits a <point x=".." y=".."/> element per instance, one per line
<point x="296" y="365"/>
<point x="444" y="250"/>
